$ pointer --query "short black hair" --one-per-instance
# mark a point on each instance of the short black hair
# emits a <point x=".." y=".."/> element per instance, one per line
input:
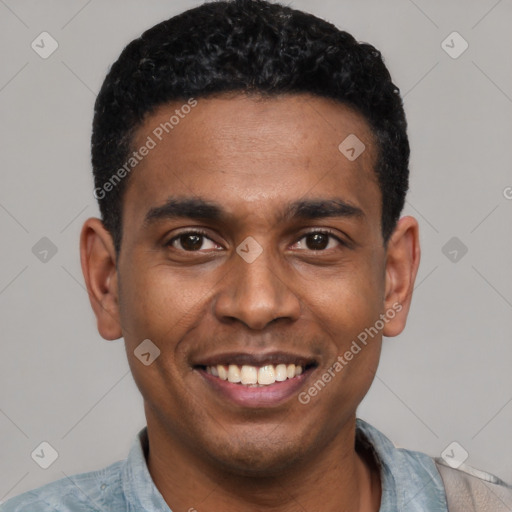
<point x="250" y="46"/>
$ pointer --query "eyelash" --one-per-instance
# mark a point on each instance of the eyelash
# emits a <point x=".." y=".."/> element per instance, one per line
<point x="203" y="233"/>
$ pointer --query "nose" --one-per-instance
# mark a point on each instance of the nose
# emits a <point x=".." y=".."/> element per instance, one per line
<point x="256" y="293"/>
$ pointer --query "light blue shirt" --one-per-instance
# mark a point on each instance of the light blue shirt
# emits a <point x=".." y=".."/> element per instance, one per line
<point x="410" y="483"/>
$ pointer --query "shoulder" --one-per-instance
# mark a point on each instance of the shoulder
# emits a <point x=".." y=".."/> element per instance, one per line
<point x="84" y="492"/>
<point x="399" y="461"/>
<point x="421" y="482"/>
<point x="472" y="490"/>
<point x="409" y="479"/>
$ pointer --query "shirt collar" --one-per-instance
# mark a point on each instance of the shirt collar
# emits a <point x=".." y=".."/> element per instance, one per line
<point x="409" y="479"/>
<point x="379" y="447"/>
<point x="138" y="486"/>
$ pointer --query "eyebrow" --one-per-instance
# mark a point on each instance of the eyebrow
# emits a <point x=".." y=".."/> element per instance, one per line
<point x="199" y="209"/>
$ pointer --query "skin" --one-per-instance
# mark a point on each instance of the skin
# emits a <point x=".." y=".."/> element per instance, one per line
<point x="253" y="156"/>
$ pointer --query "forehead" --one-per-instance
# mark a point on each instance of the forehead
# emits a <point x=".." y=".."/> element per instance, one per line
<point x="249" y="152"/>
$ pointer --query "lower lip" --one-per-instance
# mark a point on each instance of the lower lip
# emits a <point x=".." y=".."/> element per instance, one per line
<point x="257" y="396"/>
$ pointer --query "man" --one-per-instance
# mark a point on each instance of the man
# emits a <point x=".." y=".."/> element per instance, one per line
<point x="251" y="165"/>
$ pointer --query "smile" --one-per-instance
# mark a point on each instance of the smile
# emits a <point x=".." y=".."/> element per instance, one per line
<point x="254" y="376"/>
<point x="251" y="380"/>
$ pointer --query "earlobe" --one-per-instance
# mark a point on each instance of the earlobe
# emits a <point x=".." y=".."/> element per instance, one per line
<point x="98" y="259"/>
<point x="402" y="262"/>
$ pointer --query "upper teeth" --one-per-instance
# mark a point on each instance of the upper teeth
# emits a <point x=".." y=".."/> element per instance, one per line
<point x="254" y="375"/>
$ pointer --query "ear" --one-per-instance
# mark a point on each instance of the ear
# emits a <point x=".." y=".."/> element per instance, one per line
<point x="402" y="262"/>
<point x="98" y="258"/>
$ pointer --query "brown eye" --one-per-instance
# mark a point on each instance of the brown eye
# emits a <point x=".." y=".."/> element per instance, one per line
<point x="317" y="241"/>
<point x="191" y="241"/>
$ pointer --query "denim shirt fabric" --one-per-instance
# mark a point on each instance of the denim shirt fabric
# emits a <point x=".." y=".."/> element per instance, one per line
<point x="410" y="483"/>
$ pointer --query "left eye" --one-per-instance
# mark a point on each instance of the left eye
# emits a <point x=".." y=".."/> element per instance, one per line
<point x="319" y="241"/>
<point x="191" y="241"/>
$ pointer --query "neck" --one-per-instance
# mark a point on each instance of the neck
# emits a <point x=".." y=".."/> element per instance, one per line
<point x="338" y="477"/>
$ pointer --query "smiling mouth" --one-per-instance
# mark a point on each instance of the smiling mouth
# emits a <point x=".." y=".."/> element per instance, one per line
<point x="256" y="376"/>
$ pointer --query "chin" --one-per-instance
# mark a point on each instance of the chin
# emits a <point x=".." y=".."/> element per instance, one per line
<point x="257" y="459"/>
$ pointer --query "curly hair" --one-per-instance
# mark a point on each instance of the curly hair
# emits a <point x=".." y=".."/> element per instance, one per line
<point x="251" y="46"/>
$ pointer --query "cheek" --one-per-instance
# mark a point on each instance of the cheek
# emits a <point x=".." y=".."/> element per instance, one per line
<point x="156" y="305"/>
<point x="160" y="303"/>
<point x="349" y="301"/>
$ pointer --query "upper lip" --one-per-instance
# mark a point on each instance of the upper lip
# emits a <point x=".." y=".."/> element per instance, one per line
<point x="255" y="359"/>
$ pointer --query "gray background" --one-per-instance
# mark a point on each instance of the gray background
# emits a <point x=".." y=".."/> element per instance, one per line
<point x="446" y="378"/>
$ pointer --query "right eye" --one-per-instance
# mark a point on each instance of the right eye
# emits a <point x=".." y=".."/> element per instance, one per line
<point x="190" y="241"/>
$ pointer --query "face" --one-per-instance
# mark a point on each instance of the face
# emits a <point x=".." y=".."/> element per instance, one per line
<point x="250" y="239"/>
